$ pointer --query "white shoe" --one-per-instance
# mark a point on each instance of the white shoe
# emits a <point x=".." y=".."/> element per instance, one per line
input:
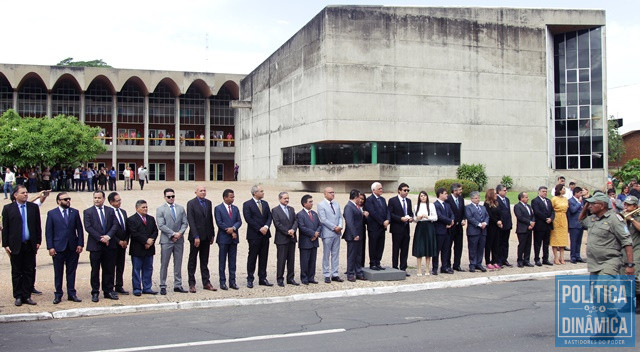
<point x="420" y="274"/>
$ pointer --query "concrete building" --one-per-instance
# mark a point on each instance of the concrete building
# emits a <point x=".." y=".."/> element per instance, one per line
<point x="364" y="93"/>
<point x="177" y="124"/>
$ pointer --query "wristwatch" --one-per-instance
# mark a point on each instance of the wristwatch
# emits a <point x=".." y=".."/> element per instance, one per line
<point x="629" y="265"/>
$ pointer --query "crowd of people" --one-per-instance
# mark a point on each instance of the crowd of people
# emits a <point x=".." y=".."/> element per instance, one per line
<point x="558" y="223"/>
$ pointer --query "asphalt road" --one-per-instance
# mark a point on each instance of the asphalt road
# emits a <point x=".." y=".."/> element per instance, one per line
<point x="516" y="316"/>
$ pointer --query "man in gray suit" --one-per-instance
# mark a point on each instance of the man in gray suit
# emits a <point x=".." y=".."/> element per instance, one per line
<point x="331" y="220"/>
<point x="172" y="222"/>
<point x="286" y="224"/>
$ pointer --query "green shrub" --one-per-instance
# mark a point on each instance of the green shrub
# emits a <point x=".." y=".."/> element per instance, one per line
<point x="629" y="171"/>
<point x="467" y="186"/>
<point x="473" y="172"/>
<point x="507" y="181"/>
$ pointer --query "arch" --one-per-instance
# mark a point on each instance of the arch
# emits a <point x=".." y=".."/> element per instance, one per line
<point x="162" y="105"/>
<point x="65" y="96"/>
<point x="131" y="101"/>
<point x="232" y="89"/>
<point x="137" y="81"/>
<point x="202" y="87"/>
<point x="32" y="96"/>
<point x="31" y="77"/>
<point x="171" y="85"/>
<point x="98" y="100"/>
<point x="67" y="78"/>
<point x="104" y="81"/>
<point x="6" y="94"/>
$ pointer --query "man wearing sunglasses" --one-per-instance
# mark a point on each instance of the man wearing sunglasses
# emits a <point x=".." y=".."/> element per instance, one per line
<point x="172" y="222"/>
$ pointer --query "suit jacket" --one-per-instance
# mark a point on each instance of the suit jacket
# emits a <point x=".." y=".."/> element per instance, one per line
<point x="94" y="229"/>
<point x="221" y="214"/>
<point x="575" y="208"/>
<point x="329" y="218"/>
<point x="121" y="234"/>
<point x="505" y="213"/>
<point x="166" y="224"/>
<point x="378" y="212"/>
<point x="354" y="226"/>
<point x="140" y="233"/>
<point x="397" y="213"/>
<point x="283" y="224"/>
<point x="61" y="234"/>
<point x="445" y="215"/>
<point x="475" y="217"/>
<point x="459" y="213"/>
<point x="12" y="226"/>
<point x="255" y="221"/>
<point x="200" y="220"/>
<point x="523" y="217"/>
<point x="541" y="213"/>
<point x="308" y="228"/>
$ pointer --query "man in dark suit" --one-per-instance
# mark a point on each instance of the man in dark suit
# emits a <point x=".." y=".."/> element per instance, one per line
<point x="526" y="221"/>
<point x="377" y="223"/>
<point x="478" y="218"/>
<point x="21" y="238"/>
<point x="352" y="234"/>
<point x="575" y="227"/>
<point x="101" y="225"/>
<point x="257" y="215"/>
<point x="143" y="232"/>
<point x="122" y="241"/>
<point x="310" y="227"/>
<point x="228" y="220"/>
<point x="401" y="214"/>
<point x="443" y="237"/>
<point x="201" y="232"/>
<point x="456" y="203"/>
<point x="65" y="240"/>
<point x="504" y="231"/>
<point x="544" y="215"/>
<point x="286" y="224"/>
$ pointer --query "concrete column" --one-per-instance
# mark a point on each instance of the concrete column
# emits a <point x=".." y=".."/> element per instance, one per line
<point x="207" y="139"/>
<point x="146" y="131"/>
<point x="82" y="108"/>
<point x="176" y="136"/>
<point x="114" y="132"/>
<point x="374" y="153"/>
<point x="49" y="103"/>
<point x="313" y="154"/>
<point x="15" y="100"/>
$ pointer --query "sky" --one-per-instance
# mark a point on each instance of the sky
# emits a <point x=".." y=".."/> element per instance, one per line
<point x="236" y="36"/>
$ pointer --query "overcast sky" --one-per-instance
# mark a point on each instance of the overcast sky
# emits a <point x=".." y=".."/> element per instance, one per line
<point x="236" y="36"/>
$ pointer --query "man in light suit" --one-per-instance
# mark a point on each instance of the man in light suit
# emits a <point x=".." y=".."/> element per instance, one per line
<point x="65" y="240"/>
<point x="456" y="203"/>
<point x="228" y="220"/>
<point x="544" y="214"/>
<point x="310" y="228"/>
<point x="575" y="227"/>
<point x="122" y="241"/>
<point x="201" y="232"/>
<point x="377" y="223"/>
<point x="401" y="214"/>
<point x="21" y="243"/>
<point x="352" y="234"/>
<point x="257" y="215"/>
<point x="443" y="237"/>
<point x="101" y="225"/>
<point x="526" y="221"/>
<point x="507" y="224"/>
<point x="286" y="224"/>
<point x="143" y="232"/>
<point x="331" y="220"/>
<point x="172" y="222"/>
<point x="477" y="220"/>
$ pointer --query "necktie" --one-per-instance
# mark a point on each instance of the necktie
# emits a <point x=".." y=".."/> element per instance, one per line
<point x="456" y="200"/>
<point x="404" y="206"/>
<point x="173" y="212"/>
<point x="104" y="225"/>
<point x="478" y="208"/>
<point x="545" y="203"/>
<point x="120" y="219"/>
<point x="310" y="216"/>
<point x="203" y="204"/>
<point x="230" y="213"/>
<point x="286" y="212"/>
<point x="528" y="211"/>
<point x="260" y="206"/>
<point x="25" y="227"/>
<point x="144" y="220"/>
<point x="332" y="209"/>
<point x="65" y="216"/>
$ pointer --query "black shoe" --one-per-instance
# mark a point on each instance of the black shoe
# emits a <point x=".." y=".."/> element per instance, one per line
<point x="448" y="271"/>
<point x="373" y="267"/>
<point x="506" y="263"/>
<point x="314" y="282"/>
<point x="18" y="301"/>
<point x="35" y="291"/>
<point x="481" y="268"/>
<point x="121" y="291"/>
<point x="546" y="262"/>
<point x="163" y="291"/>
<point x="280" y="283"/>
<point x="434" y="272"/>
<point x="351" y="278"/>
<point x="29" y="301"/>
<point x="580" y="260"/>
<point x="337" y="278"/>
<point x="520" y="265"/>
<point x="249" y="284"/>
<point x="111" y="295"/>
<point x="150" y="292"/>
<point x="137" y="293"/>
<point x="74" y="299"/>
<point x="293" y="282"/>
<point x="234" y="286"/>
<point x="361" y="277"/>
<point x="264" y="282"/>
<point x="528" y="264"/>
<point x="223" y="286"/>
<point x="567" y="249"/>
<point x="380" y="267"/>
<point x="458" y="268"/>
<point x="94" y="297"/>
<point x="57" y="299"/>
<point x="306" y="283"/>
<point x="180" y="290"/>
<point x="472" y="270"/>
<point x="407" y="274"/>
<point x="538" y="263"/>
<point x="327" y="280"/>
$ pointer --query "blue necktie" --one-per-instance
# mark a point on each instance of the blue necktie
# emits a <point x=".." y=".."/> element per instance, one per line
<point x="104" y="225"/>
<point x="404" y="206"/>
<point x="173" y="212"/>
<point x="25" y="226"/>
<point x="120" y="218"/>
<point x="65" y="216"/>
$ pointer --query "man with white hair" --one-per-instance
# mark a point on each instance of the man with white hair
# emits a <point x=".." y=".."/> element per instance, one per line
<point x="331" y="220"/>
<point x="377" y="223"/>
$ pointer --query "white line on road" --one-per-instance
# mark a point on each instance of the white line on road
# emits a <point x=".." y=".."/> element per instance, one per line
<point x="218" y="342"/>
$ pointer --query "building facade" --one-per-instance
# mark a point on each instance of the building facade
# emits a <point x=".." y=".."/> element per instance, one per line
<point x="177" y="124"/>
<point x="364" y="93"/>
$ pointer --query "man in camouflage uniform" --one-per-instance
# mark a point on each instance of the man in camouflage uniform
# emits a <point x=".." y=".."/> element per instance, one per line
<point x="631" y="204"/>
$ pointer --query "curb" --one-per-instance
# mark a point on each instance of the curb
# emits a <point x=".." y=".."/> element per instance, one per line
<point x="227" y="302"/>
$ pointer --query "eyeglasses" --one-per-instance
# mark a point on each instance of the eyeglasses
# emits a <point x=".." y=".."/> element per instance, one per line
<point x="406" y="190"/>
<point x="67" y="199"/>
<point x="173" y="196"/>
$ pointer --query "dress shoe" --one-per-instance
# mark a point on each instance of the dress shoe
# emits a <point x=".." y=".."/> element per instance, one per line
<point x="447" y="271"/>
<point x="74" y="299"/>
<point x="538" y="263"/>
<point x="18" y="301"/>
<point x="407" y="274"/>
<point x="472" y="270"/>
<point x="180" y="290"/>
<point x="580" y="260"/>
<point x="209" y="287"/>
<point x="381" y="267"/>
<point x="528" y="264"/>
<point x="57" y="299"/>
<point x="506" y="263"/>
<point x="94" y="297"/>
<point x="121" y="291"/>
<point x="337" y="278"/>
<point x="35" y="291"/>
<point x="234" y="286"/>
<point x="546" y="262"/>
<point x="150" y="292"/>
<point x="192" y="289"/>
<point x="361" y="277"/>
<point x="111" y="295"/>
<point x="458" y="268"/>
<point x="373" y="267"/>
<point x="314" y="282"/>
<point x="29" y="301"/>
<point x="250" y="284"/>
<point x="351" y="278"/>
<point x="137" y="293"/>
<point x="163" y="291"/>
<point x="567" y="249"/>
<point x="520" y="265"/>
<point x="223" y="287"/>
<point x="306" y="283"/>
<point x="434" y="272"/>
<point x="281" y="283"/>
<point x="264" y="282"/>
<point x="293" y="282"/>
<point x="327" y="280"/>
<point x="481" y="268"/>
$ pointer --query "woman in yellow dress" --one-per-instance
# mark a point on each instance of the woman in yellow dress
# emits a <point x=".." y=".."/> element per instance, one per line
<point x="560" y="233"/>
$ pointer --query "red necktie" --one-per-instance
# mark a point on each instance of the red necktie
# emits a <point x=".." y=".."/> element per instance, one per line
<point x="310" y="216"/>
<point x="144" y="220"/>
<point x="230" y="213"/>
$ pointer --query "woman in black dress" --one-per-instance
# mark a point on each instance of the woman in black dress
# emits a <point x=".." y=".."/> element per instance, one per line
<point x="424" y="237"/>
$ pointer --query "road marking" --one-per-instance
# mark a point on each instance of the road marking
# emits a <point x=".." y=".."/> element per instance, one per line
<point x="218" y="342"/>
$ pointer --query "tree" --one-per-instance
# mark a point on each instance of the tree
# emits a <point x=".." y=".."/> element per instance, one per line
<point x="616" y="144"/>
<point x="93" y="63"/>
<point x="61" y="140"/>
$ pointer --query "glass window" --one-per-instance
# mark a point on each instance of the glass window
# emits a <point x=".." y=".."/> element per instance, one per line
<point x="584" y="75"/>
<point x="572" y="76"/>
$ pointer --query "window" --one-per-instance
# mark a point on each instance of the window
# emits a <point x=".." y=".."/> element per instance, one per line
<point x="157" y="172"/>
<point x="216" y="172"/>
<point x="187" y="172"/>
<point x="98" y="103"/>
<point x="65" y="99"/>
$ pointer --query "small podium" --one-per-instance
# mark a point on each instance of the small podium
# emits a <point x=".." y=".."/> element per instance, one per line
<point x="389" y="274"/>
